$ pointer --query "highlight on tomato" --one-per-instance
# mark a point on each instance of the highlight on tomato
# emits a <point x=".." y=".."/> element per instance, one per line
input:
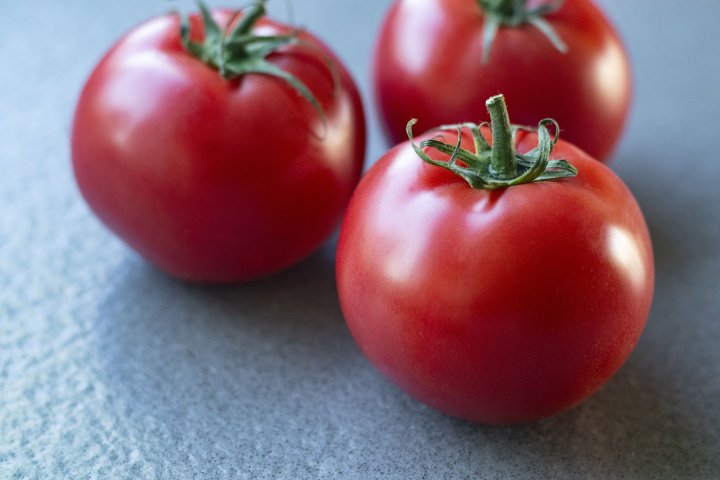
<point x="439" y="60"/>
<point x="222" y="146"/>
<point x="498" y="278"/>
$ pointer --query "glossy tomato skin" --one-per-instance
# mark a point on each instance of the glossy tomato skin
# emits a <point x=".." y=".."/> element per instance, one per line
<point x="214" y="180"/>
<point x="496" y="307"/>
<point x="427" y="65"/>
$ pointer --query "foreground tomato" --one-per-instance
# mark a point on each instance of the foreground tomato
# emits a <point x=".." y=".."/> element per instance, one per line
<point x="219" y="177"/>
<point x="499" y="305"/>
<point x="429" y="65"/>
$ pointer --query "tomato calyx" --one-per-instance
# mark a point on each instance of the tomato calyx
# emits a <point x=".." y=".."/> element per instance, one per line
<point x="239" y="52"/>
<point x="512" y="13"/>
<point x="498" y="166"/>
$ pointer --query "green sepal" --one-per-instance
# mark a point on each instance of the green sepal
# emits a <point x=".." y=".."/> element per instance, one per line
<point x="472" y="176"/>
<point x="240" y="52"/>
<point x="261" y="66"/>
<point x="512" y="13"/>
<point x="533" y="166"/>
<point x="251" y="15"/>
<point x="213" y="34"/>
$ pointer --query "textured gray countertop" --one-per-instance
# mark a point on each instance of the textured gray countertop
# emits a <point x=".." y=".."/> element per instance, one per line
<point x="110" y="369"/>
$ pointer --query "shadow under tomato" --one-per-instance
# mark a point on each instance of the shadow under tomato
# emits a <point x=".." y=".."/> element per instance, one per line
<point x="221" y="362"/>
<point x="628" y="429"/>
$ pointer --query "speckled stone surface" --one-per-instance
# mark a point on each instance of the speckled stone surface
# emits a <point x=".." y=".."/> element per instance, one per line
<point x="111" y="370"/>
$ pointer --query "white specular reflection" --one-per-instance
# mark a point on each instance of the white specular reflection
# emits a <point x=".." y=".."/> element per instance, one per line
<point x="404" y="258"/>
<point x="414" y="45"/>
<point x="138" y="104"/>
<point x="611" y="69"/>
<point x="406" y="247"/>
<point x="402" y="262"/>
<point x="626" y="253"/>
<point x="338" y="141"/>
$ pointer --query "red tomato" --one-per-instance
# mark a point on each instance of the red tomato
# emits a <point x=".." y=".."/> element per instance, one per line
<point x="213" y="179"/>
<point x="494" y="306"/>
<point x="428" y="65"/>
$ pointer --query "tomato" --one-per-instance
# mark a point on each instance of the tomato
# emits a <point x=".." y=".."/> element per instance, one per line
<point x="214" y="179"/>
<point x="428" y="64"/>
<point x="496" y="306"/>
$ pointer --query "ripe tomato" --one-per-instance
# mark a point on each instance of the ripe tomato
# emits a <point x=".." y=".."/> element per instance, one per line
<point x="215" y="179"/>
<point x="428" y="64"/>
<point x="497" y="306"/>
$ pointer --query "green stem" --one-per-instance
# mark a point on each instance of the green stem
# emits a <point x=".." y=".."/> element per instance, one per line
<point x="503" y="163"/>
<point x="499" y="166"/>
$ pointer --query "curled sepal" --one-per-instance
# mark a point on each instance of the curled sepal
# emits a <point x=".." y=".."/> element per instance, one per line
<point x="266" y="68"/>
<point x="481" y="145"/>
<point x="533" y="166"/>
<point x="512" y="13"/>
<point x="239" y="52"/>
<point x="471" y="176"/>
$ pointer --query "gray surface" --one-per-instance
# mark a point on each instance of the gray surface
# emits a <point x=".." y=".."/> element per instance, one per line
<point x="109" y="369"/>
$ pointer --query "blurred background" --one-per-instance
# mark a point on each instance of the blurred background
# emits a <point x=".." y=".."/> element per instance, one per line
<point x="110" y="369"/>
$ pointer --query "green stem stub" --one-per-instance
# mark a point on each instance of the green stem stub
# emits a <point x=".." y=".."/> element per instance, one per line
<point x="499" y="166"/>
<point x="239" y="52"/>
<point x="513" y="13"/>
